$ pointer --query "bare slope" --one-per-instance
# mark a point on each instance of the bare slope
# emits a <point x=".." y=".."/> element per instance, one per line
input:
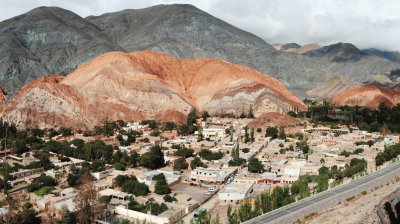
<point x="370" y="96"/>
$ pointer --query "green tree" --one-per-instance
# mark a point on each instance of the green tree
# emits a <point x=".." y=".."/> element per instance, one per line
<point x="250" y="114"/>
<point x="196" y="162"/>
<point x="246" y="135"/>
<point x="255" y="166"/>
<point x="184" y="152"/>
<point x="282" y="134"/>
<point x="180" y="164"/>
<point x="161" y="186"/>
<point x="153" y="159"/>
<point x="205" y="115"/>
<point x="132" y="186"/>
<point x="271" y="132"/>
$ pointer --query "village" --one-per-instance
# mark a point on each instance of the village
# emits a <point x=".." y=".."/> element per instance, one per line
<point x="143" y="172"/>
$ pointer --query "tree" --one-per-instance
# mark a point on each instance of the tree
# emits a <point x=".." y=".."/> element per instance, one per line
<point x="97" y="166"/>
<point x="191" y="119"/>
<point x="132" y="186"/>
<point x="209" y="155"/>
<point x="68" y="218"/>
<point x="42" y="181"/>
<point x="87" y="202"/>
<point x="169" y="126"/>
<point x="271" y="132"/>
<point x="73" y="180"/>
<point x="184" y="152"/>
<point x="20" y="146"/>
<point x="196" y="162"/>
<point x="292" y="114"/>
<point x="18" y="213"/>
<point x="161" y="186"/>
<point x="363" y="126"/>
<point x="205" y="115"/>
<point x="322" y="182"/>
<point x="153" y="159"/>
<point x="180" y="164"/>
<point x="242" y="115"/>
<point x="282" y="134"/>
<point x="250" y="114"/>
<point x="255" y="166"/>
<point x="246" y="135"/>
<point x="252" y="135"/>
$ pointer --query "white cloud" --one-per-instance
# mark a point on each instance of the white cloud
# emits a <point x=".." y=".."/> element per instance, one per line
<point x="365" y="23"/>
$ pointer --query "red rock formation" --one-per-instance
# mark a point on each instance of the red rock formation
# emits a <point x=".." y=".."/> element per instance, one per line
<point x="134" y="86"/>
<point x="370" y="96"/>
<point x="2" y="95"/>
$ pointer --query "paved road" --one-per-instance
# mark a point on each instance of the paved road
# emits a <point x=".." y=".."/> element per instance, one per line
<point x="328" y="198"/>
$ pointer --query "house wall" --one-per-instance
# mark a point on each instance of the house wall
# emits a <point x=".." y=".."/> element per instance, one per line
<point x="141" y="216"/>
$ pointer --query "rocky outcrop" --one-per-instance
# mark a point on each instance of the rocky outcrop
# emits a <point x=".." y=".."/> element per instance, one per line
<point x="370" y="96"/>
<point x="134" y="86"/>
<point x="387" y="211"/>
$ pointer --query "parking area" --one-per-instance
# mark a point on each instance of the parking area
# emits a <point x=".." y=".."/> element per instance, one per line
<point x="197" y="193"/>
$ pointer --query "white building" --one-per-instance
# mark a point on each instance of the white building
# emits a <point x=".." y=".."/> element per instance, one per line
<point x="235" y="192"/>
<point x="208" y="176"/>
<point x="102" y="174"/>
<point x="214" y="133"/>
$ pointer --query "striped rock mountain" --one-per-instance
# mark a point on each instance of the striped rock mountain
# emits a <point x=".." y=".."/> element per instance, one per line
<point x="145" y="85"/>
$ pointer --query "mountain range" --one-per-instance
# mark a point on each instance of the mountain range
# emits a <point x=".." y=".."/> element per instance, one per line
<point x="51" y="40"/>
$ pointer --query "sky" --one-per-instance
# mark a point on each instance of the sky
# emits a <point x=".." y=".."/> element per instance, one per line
<point x="365" y="23"/>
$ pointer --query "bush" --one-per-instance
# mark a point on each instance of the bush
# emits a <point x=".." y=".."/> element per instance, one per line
<point x="43" y="191"/>
<point x="118" y="166"/>
<point x="245" y="150"/>
<point x="169" y="198"/>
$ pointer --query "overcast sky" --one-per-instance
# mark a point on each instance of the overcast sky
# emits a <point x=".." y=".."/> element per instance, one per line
<point x="365" y="23"/>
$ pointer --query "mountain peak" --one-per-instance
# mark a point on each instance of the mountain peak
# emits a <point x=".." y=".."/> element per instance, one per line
<point x="339" y="52"/>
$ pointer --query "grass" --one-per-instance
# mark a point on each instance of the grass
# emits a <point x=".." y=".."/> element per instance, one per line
<point x="43" y="191"/>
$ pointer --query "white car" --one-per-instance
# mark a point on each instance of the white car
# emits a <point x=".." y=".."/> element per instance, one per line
<point x="207" y="193"/>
